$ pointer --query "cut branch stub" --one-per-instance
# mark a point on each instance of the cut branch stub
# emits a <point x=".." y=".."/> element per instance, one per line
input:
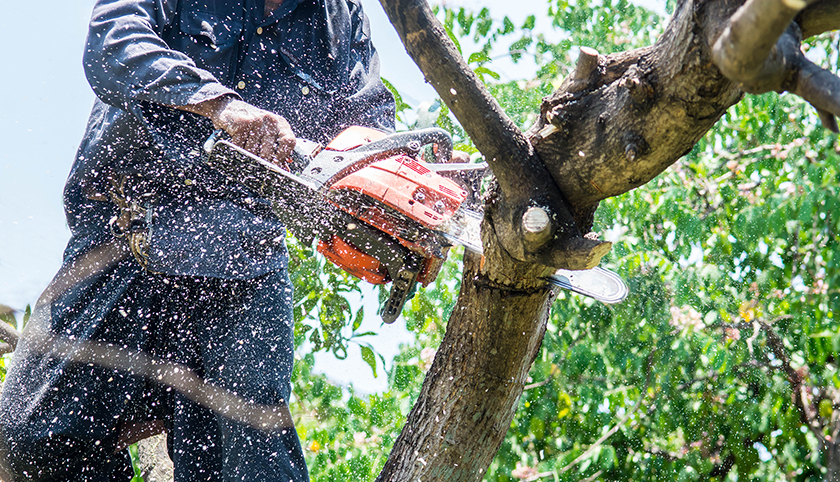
<point x="585" y="69"/>
<point x="522" y="177"/>
<point x="537" y="226"/>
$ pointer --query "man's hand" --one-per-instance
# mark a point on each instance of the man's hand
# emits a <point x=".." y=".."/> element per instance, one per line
<point x="460" y="156"/>
<point x="263" y="133"/>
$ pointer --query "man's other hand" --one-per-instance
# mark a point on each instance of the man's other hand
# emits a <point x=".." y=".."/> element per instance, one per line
<point x="460" y="156"/>
<point x="261" y="132"/>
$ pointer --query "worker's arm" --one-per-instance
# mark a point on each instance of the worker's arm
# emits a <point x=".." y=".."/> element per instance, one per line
<point x="129" y="64"/>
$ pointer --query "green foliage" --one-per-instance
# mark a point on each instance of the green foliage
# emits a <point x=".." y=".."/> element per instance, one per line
<point x="346" y="436"/>
<point x="734" y="245"/>
<point x="741" y="231"/>
<point x="323" y="316"/>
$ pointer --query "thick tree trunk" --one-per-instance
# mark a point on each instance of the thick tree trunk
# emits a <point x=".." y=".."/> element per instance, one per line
<point x="470" y="394"/>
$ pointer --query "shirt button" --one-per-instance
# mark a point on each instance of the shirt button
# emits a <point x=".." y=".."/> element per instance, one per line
<point x="304" y="90"/>
<point x="240" y="85"/>
<point x="259" y="30"/>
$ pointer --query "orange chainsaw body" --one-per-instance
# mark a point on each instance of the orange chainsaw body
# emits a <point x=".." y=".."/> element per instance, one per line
<point x="394" y="194"/>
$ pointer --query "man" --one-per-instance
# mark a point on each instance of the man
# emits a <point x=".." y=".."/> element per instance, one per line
<point x="167" y="257"/>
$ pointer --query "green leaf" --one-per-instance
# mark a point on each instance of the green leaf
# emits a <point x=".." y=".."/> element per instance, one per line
<point x="826" y="408"/>
<point x="454" y="39"/>
<point x="529" y="23"/>
<point x="465" y="20"/>
<point x="484" y="23"/>
<point x="482" y="71"/>
<point x="517" y="48"/>
<point x="370" y="358"/>
<point x="478" y="57"/>
<point x="401" y="105"/>
<point x="360" y="316"/>
<point x="507" y="26"/>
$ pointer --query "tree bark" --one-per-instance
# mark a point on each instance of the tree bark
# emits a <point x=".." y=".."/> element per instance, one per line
<point x="638" y="112"/>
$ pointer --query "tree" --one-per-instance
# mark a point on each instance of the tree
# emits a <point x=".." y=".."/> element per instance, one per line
<point x="613" y="125"/>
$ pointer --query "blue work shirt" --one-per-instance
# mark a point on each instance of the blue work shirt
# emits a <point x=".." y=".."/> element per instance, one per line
<point x="310" y="61"/>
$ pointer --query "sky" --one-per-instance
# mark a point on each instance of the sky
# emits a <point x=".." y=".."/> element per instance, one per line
<point x="44" y="105"/>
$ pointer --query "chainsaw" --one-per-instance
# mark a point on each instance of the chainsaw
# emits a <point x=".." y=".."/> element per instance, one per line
<point x="379" y="210"/>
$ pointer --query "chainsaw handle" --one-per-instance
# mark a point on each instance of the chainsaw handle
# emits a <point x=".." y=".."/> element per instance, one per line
<point x="299" y="158"/>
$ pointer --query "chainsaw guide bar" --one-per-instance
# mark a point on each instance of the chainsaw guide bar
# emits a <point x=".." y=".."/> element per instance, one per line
<point x="378" y="211"/>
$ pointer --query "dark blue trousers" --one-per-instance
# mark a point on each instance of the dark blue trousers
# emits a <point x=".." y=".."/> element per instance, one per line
<point x="60" y="420"/>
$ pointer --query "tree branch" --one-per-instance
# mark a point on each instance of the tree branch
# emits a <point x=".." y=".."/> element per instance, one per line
<point x="524" y="180"/>
<point x="822" y="16"/>
<point x="745" y="45"/>
<point x="799" y="390"/>
<point x="821" y="88"/>
<point x="760" y="49"/>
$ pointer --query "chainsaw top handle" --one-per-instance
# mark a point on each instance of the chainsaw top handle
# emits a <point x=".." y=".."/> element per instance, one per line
<point x="414" y="141"/>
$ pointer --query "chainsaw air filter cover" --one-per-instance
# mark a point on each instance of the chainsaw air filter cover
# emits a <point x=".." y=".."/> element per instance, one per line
<point x="394" y="195"/>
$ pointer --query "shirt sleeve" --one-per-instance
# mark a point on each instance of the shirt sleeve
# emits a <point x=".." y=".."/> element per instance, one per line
<point x="126" y="59"/>
<point x="370" y="103"/>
